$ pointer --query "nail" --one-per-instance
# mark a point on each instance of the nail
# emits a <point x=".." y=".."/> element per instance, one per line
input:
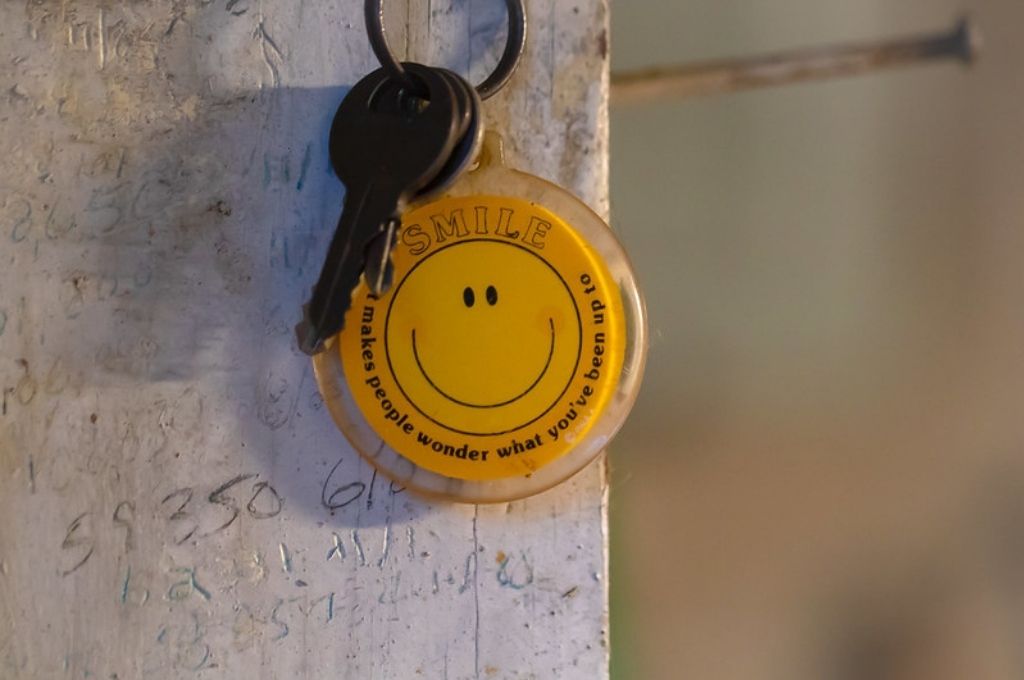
<point x="962" y="43"/>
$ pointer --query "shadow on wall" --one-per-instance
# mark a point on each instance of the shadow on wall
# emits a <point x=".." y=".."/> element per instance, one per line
<point x="199" y="225"/>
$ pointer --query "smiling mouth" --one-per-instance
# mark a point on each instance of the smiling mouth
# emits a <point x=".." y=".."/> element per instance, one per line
<point x="547" y="364"/>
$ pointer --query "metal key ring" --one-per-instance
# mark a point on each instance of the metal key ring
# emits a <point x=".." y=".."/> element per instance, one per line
<point x="507" y="65"/>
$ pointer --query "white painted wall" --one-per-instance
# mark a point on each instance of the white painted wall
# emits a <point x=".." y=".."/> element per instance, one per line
<point x="166" y="465"/>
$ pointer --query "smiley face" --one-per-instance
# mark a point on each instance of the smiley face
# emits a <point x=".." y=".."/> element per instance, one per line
<point x="496" y="352"/>
<point x="469" y="299"/>
<point x="483" y="337"/>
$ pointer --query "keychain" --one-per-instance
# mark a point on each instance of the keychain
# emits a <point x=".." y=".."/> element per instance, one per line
<point x="477" y="332"/>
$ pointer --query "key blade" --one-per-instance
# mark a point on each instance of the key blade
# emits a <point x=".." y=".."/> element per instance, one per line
<point x="324" y="315"/>
<point x="378" y="270"/>
<point x="309" y="340"/>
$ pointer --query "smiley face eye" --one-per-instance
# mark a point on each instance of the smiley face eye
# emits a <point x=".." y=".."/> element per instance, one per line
<point x="468" y="297"/>
<point x="492" y="295"/>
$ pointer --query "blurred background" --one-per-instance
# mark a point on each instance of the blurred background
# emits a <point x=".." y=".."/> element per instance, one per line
<point x="823" y="476"/>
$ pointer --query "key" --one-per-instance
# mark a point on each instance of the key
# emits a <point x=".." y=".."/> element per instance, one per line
<point x="385" y="144"/>
<point x="470" y="133"/>
<point x="468" y="147"/>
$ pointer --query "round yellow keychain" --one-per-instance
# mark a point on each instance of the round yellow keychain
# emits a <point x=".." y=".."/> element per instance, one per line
<point x="507" y="351"/>
<point x="508" y="346"/>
